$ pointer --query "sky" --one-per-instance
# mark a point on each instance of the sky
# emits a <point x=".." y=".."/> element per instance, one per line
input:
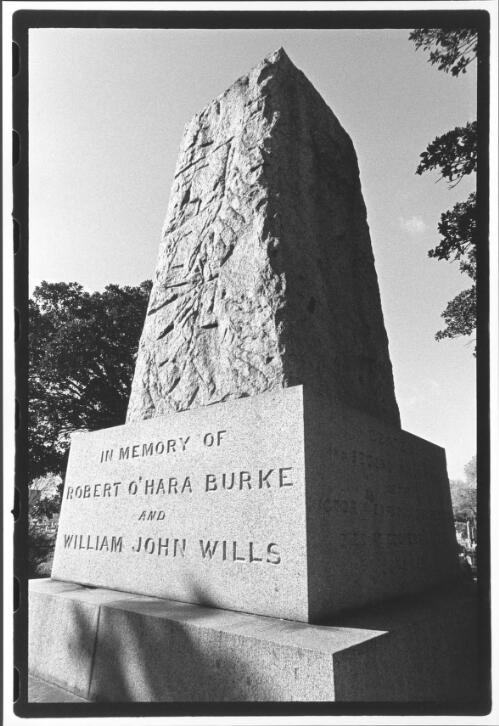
<point x="107" y="108"/>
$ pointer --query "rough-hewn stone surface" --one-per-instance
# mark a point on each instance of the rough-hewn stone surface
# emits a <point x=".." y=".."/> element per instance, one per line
<point x="265" y="275"/>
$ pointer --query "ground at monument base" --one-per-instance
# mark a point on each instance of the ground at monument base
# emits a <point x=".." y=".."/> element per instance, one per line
<point x="39" y="691"/>
<point x="110" y="646"/>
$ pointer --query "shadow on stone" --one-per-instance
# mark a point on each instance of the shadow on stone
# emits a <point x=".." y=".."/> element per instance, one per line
<point x="179" y="666"/>
<point x="429" y="648"/>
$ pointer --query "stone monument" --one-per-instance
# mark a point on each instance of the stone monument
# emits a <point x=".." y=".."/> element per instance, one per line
<point x="261" y="528"/>
<point x="265" y="277"/>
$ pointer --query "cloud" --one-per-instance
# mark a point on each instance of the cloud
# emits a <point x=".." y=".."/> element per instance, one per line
<point x="412" y="225"/>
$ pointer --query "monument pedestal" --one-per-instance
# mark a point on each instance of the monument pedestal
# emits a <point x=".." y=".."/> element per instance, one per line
<point x="106" y="645"/>
<point x="301" y="511"/>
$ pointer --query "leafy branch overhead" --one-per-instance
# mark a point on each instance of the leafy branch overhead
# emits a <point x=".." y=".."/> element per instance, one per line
<point x="450" y="50"/>
<point x="454" y="155"/>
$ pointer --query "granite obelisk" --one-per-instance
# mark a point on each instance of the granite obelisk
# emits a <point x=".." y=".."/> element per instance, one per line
<point x="265" y="276"/>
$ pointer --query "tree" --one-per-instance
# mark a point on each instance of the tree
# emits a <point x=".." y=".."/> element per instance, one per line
<point x="82" y="350"/>
<point x="464" y="493"/>
<point x="45" y="497"/>
<point x="454" y="154"/>
<point x="470" y="472"/>
<point x="43" y="509"/>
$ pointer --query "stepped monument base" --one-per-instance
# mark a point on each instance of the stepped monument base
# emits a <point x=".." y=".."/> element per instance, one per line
<point x="105" y="645"/>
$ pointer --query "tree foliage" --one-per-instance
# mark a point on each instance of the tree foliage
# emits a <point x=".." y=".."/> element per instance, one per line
<point x="82" y="350"/>
<point x="459" y="315"/>
<point x="46" y="504"/>
<point x="470" y="473"/>
<point x="450" y="50"/>
<point x="459" y="236"/>
<point x="464" y="493"/>
<point x="454" y="155"/>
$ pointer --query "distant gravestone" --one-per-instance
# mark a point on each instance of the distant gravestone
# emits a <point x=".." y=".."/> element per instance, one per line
<point x="294" y="493"/>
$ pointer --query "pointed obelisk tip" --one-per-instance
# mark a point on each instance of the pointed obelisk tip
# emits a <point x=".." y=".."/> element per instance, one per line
<point x="277" y="55"/>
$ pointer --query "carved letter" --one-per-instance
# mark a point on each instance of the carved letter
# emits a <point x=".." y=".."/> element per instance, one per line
<point x="273" y="555"/>
<point x="116" y="544"/>
<point x="211" y="479"/>
<point x="124" y="453"/>
<point x="282" y="481"/>
<point x="225" y="483"/>
<point x="263" y="479"/>
<point x="252" y="557"/>
<point x="234" y="554"/>
<point x="244" y="478"/>
<point x="163" y="545"/>
<point x="179" y="546"/>
<point x="208" y="548"/>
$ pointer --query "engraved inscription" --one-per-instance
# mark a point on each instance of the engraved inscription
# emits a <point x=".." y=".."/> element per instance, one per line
<point x="247" y="480"/>
<point x="100" y="543"/>
<point x="159" y="448"/>
<point x="179" y="547"/>
<point x="277" y="478"/>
